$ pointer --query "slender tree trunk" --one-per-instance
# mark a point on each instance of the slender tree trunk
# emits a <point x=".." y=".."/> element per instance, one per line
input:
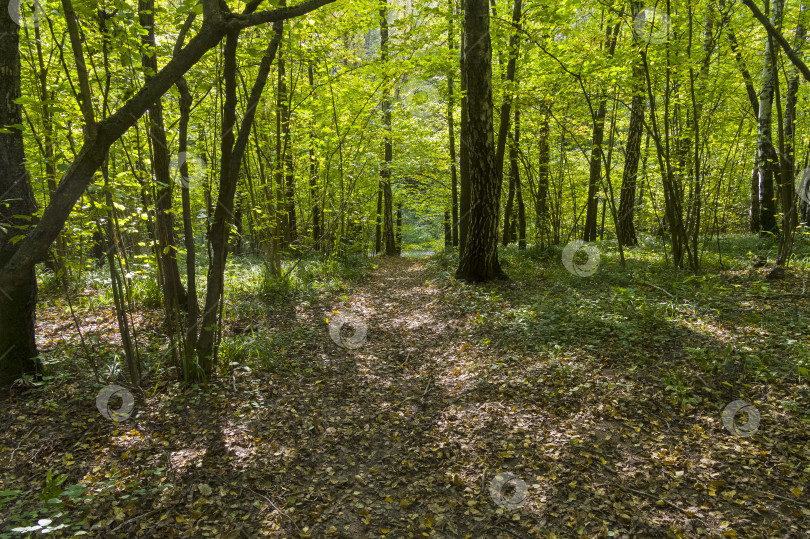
<point x="451" y="105"/>
<point x="506" y="116"/>
<point x="787" y="187"/>
<point x="282" y="134"/>
<point x="595" y="169"/>
<point x="192" y="304"/>
<point x="514" y="172"/>
<point x="385" y="173"/>
<point x="479" y="260"/>
<point x="378" y="227"/>
<point x="543" y="174"/>
<point x="399" y="229"/>
<point x="18" y="350"/>
<point x="230" y="163"/>
<point x="627" y="198"/>
<point x="463" y="149"/>
<point x="48" y="134"/>
<point x="291" y="232"/>
<point x="508" y="209"/>
<point x="313" y="175"/>
<point x="766" y="153"/>
<point x="174" y="295"/>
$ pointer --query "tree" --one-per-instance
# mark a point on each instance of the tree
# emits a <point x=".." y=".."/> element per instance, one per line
<point x="216" y="24"/>
<point x="479" y="259"/>
<point x="385" y="172"/>
<point x="767" y="157"/>
<point x="18" y="351"/>
<point x="632" y="154"/>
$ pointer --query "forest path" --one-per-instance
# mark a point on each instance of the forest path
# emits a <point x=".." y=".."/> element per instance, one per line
<point x="589" y="402"/>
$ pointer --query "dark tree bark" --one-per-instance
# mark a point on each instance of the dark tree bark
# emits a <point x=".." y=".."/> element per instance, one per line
<point x="479" y="260"/>
<point x="627" y="198"/>
<point x="463" y="149"/>
<point x="766" y="152"/>
<point x="192" y="303"/>
<point x="506" y="116"/>
<point x="385" y="172"/>
<point x="286" y="157"/>
<point x="313" y="175"/>
<point x="514" y="172"/>
<point x="543" y="175"/>
<point x="174" y="295"/>
<point x="451" y="105"/>
<point x="595" y="170"/>
<point x="18" y="302"/>
<point x="232" y="152"/>
<point x="787" y="188"/>
<point x="399" y="229"/>
<point x="378" y="227"/>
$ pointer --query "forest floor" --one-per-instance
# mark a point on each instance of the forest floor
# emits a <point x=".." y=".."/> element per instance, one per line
<point x="602" y="396"/>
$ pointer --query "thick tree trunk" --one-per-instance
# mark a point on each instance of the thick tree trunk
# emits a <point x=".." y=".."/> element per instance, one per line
<point x="766" y="153"/>
<point x="18" y="303"/>
<point x="479" y="260"/>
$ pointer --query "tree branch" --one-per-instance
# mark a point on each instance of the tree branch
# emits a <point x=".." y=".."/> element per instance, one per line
<point x="776" y="35"/>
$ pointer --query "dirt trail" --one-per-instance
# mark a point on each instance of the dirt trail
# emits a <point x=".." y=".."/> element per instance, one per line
<point x="413" y="433"/>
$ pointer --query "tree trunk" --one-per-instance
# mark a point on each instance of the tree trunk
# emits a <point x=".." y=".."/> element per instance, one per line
<point x="543" y="174"/>
<point x="463" y="149"/>
<point x="627" y="198"/>
<point x="451" y="105"/>
<point x="231" y="159"/>
<point x="313" y="176"/>
<point x="595" y="169"/>
<point x="18" y="350"/>
<point x="378" y="227"/>
<point x="766" y="153"/>
<point x="399" y="229"/>
<point x="787" y="187"/>
<point x="385" y="173"/>
<point x="479" y="260"/>
<point x="74" y="182"/>
<point x="515" y="173"/>
<point x="291" y="230"/>
<point x="174" y="295"/>
<point x="506" y="116"/>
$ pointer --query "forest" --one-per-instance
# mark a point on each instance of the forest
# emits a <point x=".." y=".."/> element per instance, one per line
<point x="404" y="268"/>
